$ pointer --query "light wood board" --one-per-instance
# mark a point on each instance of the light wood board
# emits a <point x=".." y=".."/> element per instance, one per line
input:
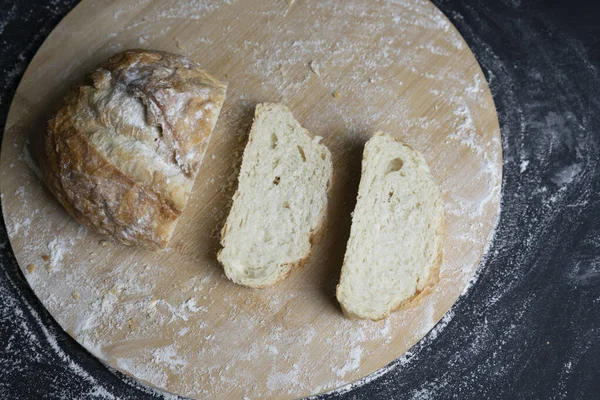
<point x="346" y="69"/>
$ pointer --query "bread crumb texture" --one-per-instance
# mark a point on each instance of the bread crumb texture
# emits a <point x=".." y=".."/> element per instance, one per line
<point x="396" y="234"/>
<point x="280" y="201"/>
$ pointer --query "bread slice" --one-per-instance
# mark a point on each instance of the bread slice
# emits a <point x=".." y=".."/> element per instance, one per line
<point x="280" y="202"/>
<point x="395" y="242"/>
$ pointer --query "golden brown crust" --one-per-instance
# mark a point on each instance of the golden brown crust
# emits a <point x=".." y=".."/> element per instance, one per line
<point x="97" y="194"/>
<point x="139" y="103"/>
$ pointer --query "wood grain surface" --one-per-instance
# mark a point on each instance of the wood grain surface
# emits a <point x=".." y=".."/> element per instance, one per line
<point x="346" y="69"/>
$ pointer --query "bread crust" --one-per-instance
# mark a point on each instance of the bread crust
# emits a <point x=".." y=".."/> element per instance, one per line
<point x="180" y="102"/>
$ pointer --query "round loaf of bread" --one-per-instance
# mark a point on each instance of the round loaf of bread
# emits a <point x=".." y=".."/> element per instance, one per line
<point x="122" y="152"/>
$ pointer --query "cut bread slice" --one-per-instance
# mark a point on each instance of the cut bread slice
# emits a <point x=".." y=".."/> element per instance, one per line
<point x="280" y="201"/>
<point x="395" y="244"/>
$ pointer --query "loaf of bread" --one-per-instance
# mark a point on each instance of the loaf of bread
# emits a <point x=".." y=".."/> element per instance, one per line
<point x="280" y="201"/>
<point x="395" y="244"/>
<point x="122" y="153"/>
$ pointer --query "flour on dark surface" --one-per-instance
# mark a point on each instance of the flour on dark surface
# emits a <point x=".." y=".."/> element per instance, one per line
<point x="526" y="328"/>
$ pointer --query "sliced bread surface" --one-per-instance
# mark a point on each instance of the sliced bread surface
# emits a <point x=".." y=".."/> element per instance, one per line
<point x="280" y="202"/>
<point x="395" y="242"/>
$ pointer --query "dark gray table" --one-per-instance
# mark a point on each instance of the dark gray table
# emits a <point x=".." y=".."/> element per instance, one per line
<point x="529" y="327"/>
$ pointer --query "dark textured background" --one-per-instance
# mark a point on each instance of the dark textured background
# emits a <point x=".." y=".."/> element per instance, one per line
<point x="529" y="326"/>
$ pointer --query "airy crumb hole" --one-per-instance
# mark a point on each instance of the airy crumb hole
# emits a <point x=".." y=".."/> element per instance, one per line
<point x="273" y="140"/>
<point x="301" y="150"/>
<point x="276" y="180"/>
<point x="395" y="165"/>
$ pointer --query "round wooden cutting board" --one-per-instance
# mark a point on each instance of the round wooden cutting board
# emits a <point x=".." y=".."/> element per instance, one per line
<point x="346" y="69"/>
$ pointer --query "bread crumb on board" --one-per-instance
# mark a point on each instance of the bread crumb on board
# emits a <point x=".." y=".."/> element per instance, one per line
<point x="336" y="94"/>
<point x="31" y="268"/>
<point x="314" y="67"/>
<point x="75" y="295"/>
<point x="179" y="44"/>
<point x="46" y="257"/>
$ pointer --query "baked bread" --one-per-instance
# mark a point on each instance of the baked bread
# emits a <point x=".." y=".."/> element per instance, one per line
<point x="395" y="244"/>
<point x="280" y="201"/>
<point x="122" y="152"/>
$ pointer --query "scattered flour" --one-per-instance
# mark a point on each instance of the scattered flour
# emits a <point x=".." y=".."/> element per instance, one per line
<point x="148" y="372"/>
<point x="353" y="362"/>
<point x="57" y="250"/>
<point x="170" y="356"/>
<point x="566" y="175"/>
<point x="465" y="131"/>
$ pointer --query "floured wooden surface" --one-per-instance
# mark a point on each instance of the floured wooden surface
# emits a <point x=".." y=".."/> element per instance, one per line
<point x="346" y="70"/>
